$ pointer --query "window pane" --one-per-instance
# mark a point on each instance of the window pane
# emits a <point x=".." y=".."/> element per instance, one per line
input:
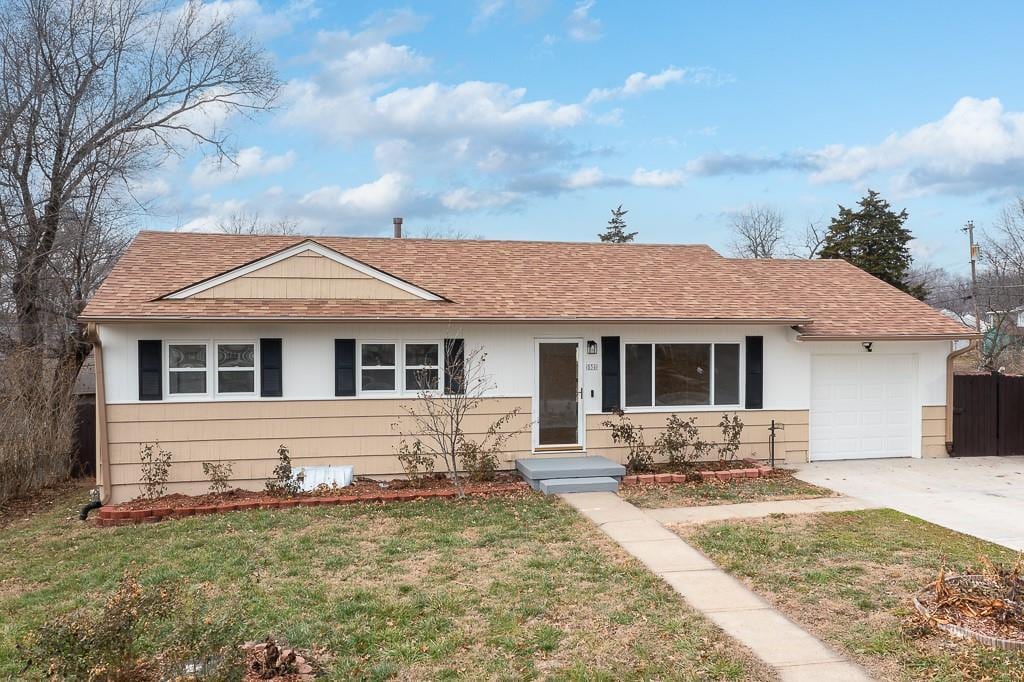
<point x="421" y="354"/>
<point x="186" y="355"/>
<point x="187" y="382"/>
<point x="727" y="373"/>
<point x="236" y="355"/>
<point x="236" y="382"/>
<point x="682" y="374"/>
<point x="421" y="379"/>
<point x="378" y="354"/>
<point x="638" y="375"/>
<point x="378" y="379"/>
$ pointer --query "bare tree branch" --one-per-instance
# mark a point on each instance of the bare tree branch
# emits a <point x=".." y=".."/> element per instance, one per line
<point x="96" y="92"/>
<point x="757" y="232"/>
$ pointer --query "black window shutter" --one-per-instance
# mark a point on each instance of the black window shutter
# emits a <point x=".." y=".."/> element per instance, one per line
<point x="344" y="366"/>
<point x="270" y="368"/>
<point x="611" y="381"/>
<point x="454" y="365"/>
<point x="755" y="372"/>
<point x="151" y="372"/>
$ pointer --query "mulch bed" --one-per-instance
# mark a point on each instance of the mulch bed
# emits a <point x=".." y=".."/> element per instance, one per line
<point x="720" y="470"/>
<point x="142" y="510"/>
<point x="986" y="608"/>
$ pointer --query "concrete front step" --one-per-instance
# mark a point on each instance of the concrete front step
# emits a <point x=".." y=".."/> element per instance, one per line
<point x="587" y="484"/>
<point x="540" y="468"/>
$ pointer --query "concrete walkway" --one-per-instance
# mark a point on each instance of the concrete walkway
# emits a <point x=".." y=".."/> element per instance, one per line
<point x="797" y="655"/>
<point x="980" y="496"/>
<point x="756" y="510"/>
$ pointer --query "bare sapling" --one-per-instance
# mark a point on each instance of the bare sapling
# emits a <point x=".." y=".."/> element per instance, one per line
<point x="438" y="425"/>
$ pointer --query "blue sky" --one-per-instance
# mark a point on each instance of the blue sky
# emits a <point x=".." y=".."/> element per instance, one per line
<point x="532" y="118"/>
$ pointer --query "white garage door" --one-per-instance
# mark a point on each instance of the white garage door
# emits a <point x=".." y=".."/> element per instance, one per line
<point x="862" y="406"/>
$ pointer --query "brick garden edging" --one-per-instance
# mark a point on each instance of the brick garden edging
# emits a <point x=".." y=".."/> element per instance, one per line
<point x="114" y="516"/>
<point x="725" y="475"/>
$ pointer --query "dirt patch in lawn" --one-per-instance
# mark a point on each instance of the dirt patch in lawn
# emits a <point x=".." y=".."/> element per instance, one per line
<point x="850" y="577"/>
<point x="780" y="485"/>
<point x="19" y="508"/>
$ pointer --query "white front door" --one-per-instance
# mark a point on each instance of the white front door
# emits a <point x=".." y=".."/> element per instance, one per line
<point x="863" y="406"/>
<point x="558" y="404"/>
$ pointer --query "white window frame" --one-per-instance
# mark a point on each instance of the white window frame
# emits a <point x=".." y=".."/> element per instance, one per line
<point x="167" y="370"/>
<point x="399" y="348"/>
<point x="217" y="343"/>
<point x="440" y="365"/>
<point x="709" y="407"/>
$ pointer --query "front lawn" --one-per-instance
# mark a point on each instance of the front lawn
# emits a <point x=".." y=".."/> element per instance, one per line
<point x="780" y="486"/>
<point x="514" y="587"/>
<point x="849" y="577"/>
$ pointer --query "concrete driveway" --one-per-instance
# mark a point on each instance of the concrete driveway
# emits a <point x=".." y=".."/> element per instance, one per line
<point x="980" y="496"/>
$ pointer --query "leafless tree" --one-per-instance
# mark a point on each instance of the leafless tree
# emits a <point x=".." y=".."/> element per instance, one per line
<point x="430" y="232"/>
<point x="250" y="222"/>
<point x="95" y="93"/>
<point x="757" y="232"/>
<point x="810" y="242"/>
<point x="439" y="418"/>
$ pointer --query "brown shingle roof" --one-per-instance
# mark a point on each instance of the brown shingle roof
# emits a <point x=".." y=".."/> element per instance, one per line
<point x="518" y="280"/>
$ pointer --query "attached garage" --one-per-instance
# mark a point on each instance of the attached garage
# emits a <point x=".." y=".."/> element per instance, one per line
<point x="863" y="406"/>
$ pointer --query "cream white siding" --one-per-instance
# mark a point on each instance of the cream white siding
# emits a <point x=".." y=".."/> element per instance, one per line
<point x="308" y="391"/>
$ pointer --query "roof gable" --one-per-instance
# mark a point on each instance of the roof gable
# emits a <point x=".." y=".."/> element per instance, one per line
<point x="307" y="270"/>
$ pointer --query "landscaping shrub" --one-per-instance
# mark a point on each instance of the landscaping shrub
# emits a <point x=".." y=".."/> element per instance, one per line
<point x="156" y="468"/>
<point x="732" y="429"/>
<point x="681" y="443"/>
<point x="480" y="464"/>
<point x="219" y="474"/>
<point x="37" y="422"/>
<point x="417" y="464"/>
<point x="142" y="634"/>
<point x="641" y="456"/>
<point x="284" y="482"/>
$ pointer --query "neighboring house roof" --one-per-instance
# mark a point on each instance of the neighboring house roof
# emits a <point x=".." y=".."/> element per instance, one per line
<point x="502" y="281"/>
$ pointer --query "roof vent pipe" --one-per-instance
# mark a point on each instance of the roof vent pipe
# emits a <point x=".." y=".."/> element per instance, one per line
<point x="398" y="228"/>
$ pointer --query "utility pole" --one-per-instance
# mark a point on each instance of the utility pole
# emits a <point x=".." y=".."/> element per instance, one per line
<point x="969" y="229"/>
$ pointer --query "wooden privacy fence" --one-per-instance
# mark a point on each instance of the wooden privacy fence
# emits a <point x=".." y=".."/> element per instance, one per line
<point x="988" y="415"/>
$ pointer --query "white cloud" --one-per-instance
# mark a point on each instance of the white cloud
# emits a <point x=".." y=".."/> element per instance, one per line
<point x="149" y="189"/>
<point x="372" y="63"/>
<point x="252" y="18"/>
<point x="586" y="177"/>
<point x="468" y="199"/>
<point x="379" y="197"/>
<point x="485" y="11"/>
<point x="249" y="162"/>
<point x="432" y="110"/>
<point x="640" y="82"/>
<point x="977" y="145"/>
<point x="657" y="178"/>
<point x="581" y="26"/>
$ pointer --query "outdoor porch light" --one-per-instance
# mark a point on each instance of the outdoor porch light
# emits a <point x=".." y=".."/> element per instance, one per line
<point x="867" y="345"/>
<point x="591" y="347"/>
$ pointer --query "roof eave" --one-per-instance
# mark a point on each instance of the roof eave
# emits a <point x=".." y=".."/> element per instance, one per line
<point x="447" y="318"/>
<point x="888" y="337"/>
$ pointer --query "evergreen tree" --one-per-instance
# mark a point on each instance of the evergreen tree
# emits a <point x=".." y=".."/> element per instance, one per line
<point x="874" y="239"/>
<point x="616" y="230"/>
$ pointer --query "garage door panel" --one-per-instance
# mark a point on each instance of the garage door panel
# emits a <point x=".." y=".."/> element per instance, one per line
<point x="862" y="406"/>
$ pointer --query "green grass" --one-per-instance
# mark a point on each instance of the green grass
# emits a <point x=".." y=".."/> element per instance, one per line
<point x="850" y="576"/>
<point x="695" y="494"/>
<point x="505" y="588"/>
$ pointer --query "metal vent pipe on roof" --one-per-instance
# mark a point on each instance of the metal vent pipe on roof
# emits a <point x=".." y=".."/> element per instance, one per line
<point x="398" y="228"/>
